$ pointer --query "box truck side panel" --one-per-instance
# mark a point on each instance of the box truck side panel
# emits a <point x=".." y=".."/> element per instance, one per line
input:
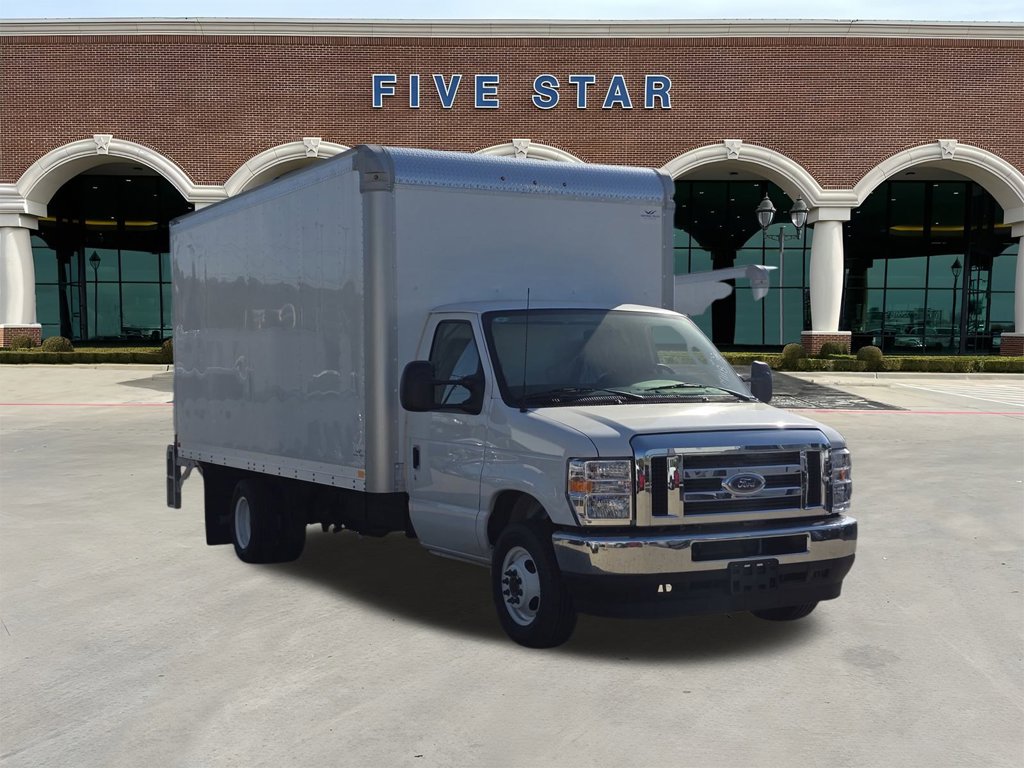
<point x="269" y="330"/>
<point x="457" y="246"/>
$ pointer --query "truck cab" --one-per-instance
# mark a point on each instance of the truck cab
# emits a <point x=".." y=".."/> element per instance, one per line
<point x="607" y="459"/>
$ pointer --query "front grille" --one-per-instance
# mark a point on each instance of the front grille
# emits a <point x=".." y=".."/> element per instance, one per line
<point x="758" y="477"/>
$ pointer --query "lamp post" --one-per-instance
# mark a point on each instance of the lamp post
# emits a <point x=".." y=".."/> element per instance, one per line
<point x="94" y="262"/>
<point x="765" y="217"/>
<point x="955" y="268"/>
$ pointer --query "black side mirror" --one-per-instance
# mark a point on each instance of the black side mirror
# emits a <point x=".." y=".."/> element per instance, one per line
<point x="761" y="381"/>
<point x="416" y="389"/>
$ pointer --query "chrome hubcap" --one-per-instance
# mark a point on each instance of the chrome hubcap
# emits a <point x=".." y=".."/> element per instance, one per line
<point x="520" y="586"/>
<point x="243" y="523"/>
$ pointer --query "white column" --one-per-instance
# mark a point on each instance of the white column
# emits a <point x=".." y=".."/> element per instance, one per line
<point x="17" y="273"/>
<point x="1018" y="290"/>
<point x="826" y="275"/>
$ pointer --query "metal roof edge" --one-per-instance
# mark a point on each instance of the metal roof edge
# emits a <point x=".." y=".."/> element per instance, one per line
<point x="512" y="28"/>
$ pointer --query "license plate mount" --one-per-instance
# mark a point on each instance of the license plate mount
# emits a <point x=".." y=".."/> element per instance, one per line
<point x="753" y="576"/>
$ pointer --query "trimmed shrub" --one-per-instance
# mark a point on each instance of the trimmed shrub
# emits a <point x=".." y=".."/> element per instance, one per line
<point x="1002" y="365"/>
<point x="814" y="364"/>
<point x="23" y="342"/>
<point x="849" y="364"/>
<point x="830" y="348"/>
<point x="167" y="351"/>
<point x="869" y="354"/>
<point x="891" y="364"/>
<point x="792" y="354"/>
<point x="57" y="344"/>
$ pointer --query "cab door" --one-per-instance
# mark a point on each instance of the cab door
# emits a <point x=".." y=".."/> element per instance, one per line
<point x="446" y="443"/>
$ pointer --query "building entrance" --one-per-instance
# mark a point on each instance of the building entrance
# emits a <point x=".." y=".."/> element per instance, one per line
<point x="102" y="257"/>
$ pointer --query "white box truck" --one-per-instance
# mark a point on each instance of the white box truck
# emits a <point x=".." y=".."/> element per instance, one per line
<point x="479" y="352"/>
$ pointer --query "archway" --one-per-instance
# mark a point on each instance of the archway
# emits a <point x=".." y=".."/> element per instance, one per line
<point x="718" y="189"/>
<point x="279" y="160"/>
<point x="96" y="263"/>
<point x="932" y="256"/>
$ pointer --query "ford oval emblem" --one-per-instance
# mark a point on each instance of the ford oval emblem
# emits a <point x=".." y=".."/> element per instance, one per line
<point x="744" y="483"/>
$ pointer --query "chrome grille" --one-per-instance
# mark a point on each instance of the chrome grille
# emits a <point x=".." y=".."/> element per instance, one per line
<point x="721" y="477"/>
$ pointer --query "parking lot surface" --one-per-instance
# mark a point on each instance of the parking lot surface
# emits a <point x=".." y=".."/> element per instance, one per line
<point x="126" y="641"/>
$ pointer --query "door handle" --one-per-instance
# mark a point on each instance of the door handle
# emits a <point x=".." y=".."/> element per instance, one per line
<point x="415" y="457"/>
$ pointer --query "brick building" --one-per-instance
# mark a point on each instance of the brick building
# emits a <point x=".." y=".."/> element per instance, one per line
<point x="905" y="141"/>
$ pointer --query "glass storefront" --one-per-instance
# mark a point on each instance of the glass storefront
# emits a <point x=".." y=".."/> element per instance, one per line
<point x="101" y="259"/>
<point x="929" y="268"/>
<point x="928" y="265"/>
<point x="715" y="228"/>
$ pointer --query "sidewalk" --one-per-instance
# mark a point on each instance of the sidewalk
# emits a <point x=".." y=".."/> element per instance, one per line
<point x="886" y="378"/>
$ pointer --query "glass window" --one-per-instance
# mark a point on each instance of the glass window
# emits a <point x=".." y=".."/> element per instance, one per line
<point x="45" y="260"/>
<point x="106" y="322"/>
<point x="907" y="272"/>
<point x="140" y="310"/>
<point x="906" y="209"/>
<point x="140" y="266"/>
<point x="47" y="306"/>
<point x="455" y="356"/>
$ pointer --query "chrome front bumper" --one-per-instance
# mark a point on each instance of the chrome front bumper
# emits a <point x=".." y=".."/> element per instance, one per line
<point x="587" y="553"/>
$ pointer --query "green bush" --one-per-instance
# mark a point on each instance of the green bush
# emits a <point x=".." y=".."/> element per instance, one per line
<point x="814" y="364"/>
<point x="744" y="359"/>
<point x="870" y="354"/>
<point x="792" y="354"/>
<point x="1002" y="365"/>
<point x="167" y="351"/>
<point x="23" y="342"/>
<point x="57" y="344"/>
<point x="849" y="364"/>
<point x="830" y="348"/>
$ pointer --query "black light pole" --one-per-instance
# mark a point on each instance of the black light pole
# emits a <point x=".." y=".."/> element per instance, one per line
<point x="955" y="269"/>
<point x="94" y="262"/>
<point x="765" y="216"/>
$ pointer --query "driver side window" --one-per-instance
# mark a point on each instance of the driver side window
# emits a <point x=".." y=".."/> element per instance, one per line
<point x="455" y="356"/>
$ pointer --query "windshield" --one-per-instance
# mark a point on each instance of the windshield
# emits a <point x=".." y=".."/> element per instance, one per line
<point x="569" y="354"/>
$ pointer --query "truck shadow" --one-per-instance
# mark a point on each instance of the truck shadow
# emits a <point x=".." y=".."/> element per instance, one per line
<point x="397" y="576"/>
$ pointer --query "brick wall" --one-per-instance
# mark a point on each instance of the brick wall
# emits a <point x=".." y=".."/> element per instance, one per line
<point x="838" y="106"/>
<point x="8" y="333"/>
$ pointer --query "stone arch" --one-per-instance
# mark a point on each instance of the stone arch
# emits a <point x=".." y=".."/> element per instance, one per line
<point x="1000" y="179"/>
<point x="525" y="148"/>
<point x="45" y="176"/>
<point x="278" y="160"/>
<point x="786" y="173"/>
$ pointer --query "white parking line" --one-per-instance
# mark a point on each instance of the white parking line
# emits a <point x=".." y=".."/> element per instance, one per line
<point x="1004" y="394"/>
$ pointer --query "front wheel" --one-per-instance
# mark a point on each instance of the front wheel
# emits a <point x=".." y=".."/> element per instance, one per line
<point x="533" y="605"/>
<point x="786" y="613"/>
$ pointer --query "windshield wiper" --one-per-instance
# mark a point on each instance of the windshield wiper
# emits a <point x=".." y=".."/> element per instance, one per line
<point x="578" y="393"/>
<point x="691" y="385"/>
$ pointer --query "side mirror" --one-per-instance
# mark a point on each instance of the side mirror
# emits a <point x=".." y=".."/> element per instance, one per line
<point x="761" y="381"/>
<point x="416" y="389"/>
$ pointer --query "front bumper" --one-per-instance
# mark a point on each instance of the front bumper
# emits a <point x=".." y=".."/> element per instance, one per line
<point x="718" y="571"/>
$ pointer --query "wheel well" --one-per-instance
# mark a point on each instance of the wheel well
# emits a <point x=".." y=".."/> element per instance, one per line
<point x="512" y="507"/>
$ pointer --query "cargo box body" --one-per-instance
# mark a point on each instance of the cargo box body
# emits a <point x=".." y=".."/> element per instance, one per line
<point x="297" y="304"/>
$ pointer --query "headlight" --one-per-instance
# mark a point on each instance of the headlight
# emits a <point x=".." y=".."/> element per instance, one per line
<point x="840" y="487"/>
<point x="601" y="492"/>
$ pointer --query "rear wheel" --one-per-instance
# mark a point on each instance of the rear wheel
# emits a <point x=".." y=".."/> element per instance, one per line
<point x="786" y="613"/>
<point x="533" y="605"/>
<point x="261" y="530"/>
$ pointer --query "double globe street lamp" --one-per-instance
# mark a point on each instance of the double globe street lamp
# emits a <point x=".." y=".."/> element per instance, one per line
<point x="765" y="217"/>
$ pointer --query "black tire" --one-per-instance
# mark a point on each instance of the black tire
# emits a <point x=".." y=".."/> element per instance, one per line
<point x="548" y="617"/>
<point x="261" y="530"/>
<point x="786" y="613"/>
